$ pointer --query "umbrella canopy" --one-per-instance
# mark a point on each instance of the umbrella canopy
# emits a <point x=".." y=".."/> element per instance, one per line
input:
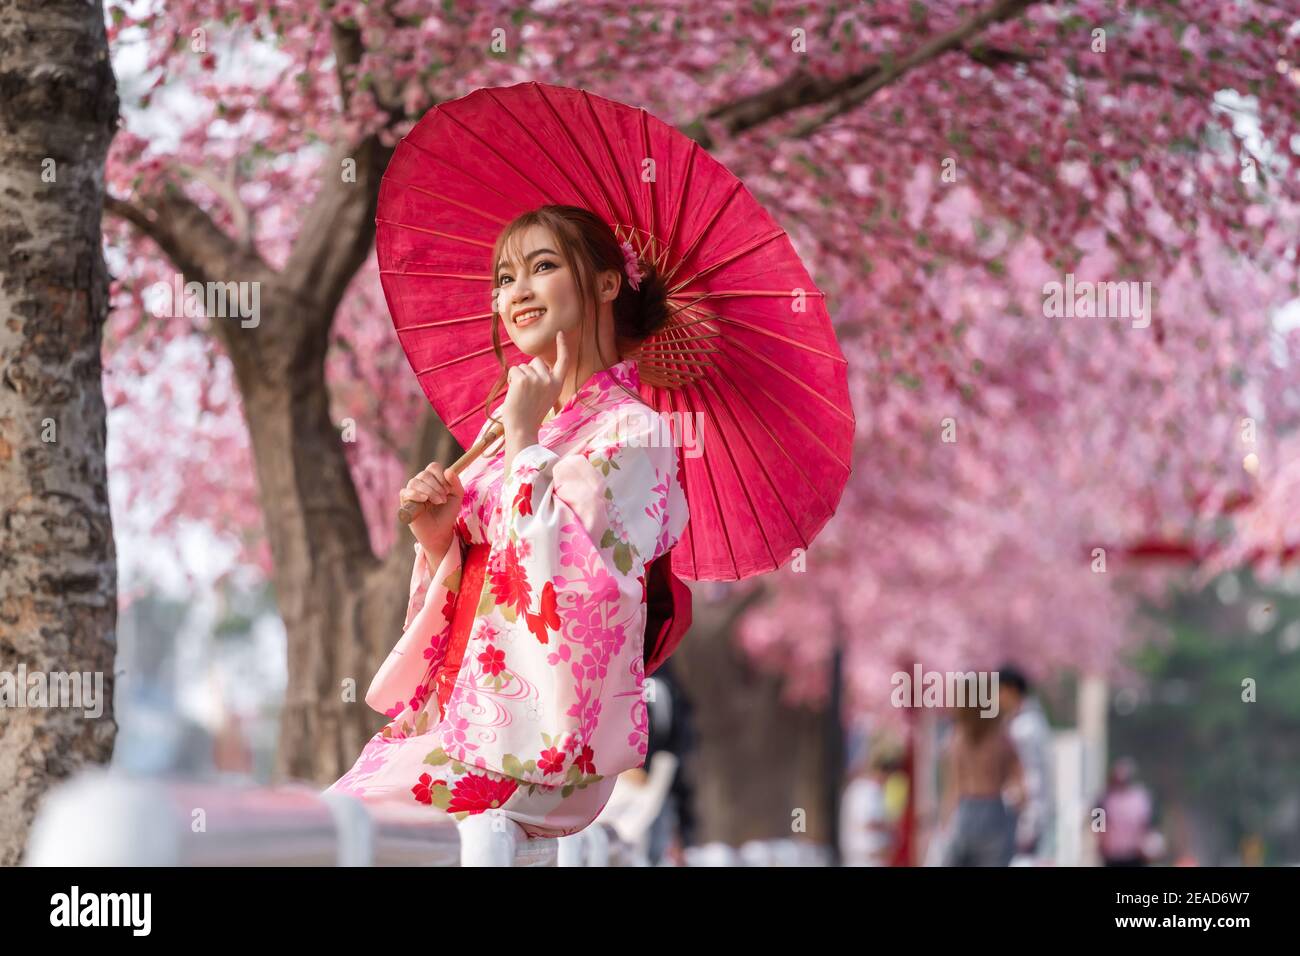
<point x="749" y="352"/>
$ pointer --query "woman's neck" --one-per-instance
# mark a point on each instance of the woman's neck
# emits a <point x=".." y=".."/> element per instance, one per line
<point x="578" y="378"/>
<point x="590" y="361"/>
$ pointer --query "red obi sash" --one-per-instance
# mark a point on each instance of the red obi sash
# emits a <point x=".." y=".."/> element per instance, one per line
<point x="467" y="599"/>
<point x="668" y="612"/>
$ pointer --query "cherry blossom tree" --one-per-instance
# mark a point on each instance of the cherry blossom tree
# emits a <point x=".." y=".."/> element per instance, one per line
<point x="938" y="165"/>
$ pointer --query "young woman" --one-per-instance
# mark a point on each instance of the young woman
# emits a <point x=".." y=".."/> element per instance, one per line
<point x="516" y="686"/>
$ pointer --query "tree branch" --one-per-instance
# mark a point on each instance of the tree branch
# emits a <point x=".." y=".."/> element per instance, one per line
<point x="338" y="229"/>
<point x="188" y="236"/>
<point x="346" y="43"/>
<point x="802" y="89"/>
<point x="791" y="94"/>
<point x="348" y="50"/>
<point x="227" y="189"/>
<point x="952" y="40"/>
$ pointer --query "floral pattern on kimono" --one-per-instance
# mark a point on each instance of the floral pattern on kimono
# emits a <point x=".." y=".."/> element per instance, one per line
<point x="572" y="527"/>
<point x="548" y="697"/>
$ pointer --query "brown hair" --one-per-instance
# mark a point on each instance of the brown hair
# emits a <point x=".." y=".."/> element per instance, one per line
<point x="589" y="246"/>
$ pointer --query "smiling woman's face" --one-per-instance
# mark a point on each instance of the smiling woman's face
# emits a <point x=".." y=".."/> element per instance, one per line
<point x="541" y="280"/>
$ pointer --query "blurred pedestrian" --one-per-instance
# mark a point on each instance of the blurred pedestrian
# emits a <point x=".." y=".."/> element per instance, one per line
<point x="1032" y="736"/>
<point x="672" y="730"/>
<point x="1126" y="836"/>
<point x="866" y="829"/>
<point x="983" y="775"/>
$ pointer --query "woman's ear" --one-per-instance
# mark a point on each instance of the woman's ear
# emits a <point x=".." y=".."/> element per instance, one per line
<point x="609" y="285"/>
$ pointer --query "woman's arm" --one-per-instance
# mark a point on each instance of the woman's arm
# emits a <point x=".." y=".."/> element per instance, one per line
<point x="433" y="534"/>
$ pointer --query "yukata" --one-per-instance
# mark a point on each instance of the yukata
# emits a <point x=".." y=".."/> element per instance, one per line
<point x="516" y="686"/>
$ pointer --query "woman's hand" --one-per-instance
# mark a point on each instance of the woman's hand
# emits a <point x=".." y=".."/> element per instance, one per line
<point x="533" y="390"/>
<point x="442" y="491"/>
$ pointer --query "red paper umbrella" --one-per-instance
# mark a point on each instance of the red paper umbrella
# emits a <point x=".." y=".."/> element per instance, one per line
<point x="749" y="345"/>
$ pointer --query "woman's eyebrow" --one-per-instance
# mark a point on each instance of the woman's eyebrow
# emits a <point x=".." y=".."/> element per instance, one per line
<point x="535" y="252"/>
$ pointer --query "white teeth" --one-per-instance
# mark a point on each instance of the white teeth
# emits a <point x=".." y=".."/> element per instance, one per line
<point x="529" y="314"/>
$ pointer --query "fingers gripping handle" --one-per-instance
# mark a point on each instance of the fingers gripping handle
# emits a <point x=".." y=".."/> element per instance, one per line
<point x="412" y="509"/>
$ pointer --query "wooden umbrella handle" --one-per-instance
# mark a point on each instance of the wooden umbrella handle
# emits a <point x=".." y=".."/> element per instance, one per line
<point x="412" y="509"/>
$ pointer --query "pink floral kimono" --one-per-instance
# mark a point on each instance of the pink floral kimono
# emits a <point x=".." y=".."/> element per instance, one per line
<point x="545" y="708"/>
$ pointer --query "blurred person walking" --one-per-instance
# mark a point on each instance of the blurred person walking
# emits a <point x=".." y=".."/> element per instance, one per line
<point x="672" y="730"/>
<point x="1032" y="736"/>
<point x="981" y="766"/>
<point x="1126" y="836"/>
<point x="867" y="832"/>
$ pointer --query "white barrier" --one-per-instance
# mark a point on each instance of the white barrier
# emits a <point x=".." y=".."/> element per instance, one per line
<point x="103" y="818"/>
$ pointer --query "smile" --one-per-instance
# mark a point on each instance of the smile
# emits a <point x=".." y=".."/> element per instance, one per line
<point x="529" y="317"/>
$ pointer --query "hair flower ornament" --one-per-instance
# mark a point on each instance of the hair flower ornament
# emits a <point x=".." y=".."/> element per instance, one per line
<point x="634" y="273"/>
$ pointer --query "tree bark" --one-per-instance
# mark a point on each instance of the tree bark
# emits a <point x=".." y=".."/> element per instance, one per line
<point x="58" y="565"/>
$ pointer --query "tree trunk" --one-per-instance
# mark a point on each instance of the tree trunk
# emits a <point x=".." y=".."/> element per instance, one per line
<point x="58" y="565"/>
<point x="342" y="606"/>
<point x="760" y="770"/>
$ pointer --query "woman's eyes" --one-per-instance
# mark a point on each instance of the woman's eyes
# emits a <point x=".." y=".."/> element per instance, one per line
<point x="544" y="262"/>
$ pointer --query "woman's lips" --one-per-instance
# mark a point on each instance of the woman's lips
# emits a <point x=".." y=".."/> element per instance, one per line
<point x="528" y="318"/>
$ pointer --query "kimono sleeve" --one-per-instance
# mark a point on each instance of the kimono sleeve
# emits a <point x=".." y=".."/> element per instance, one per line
<point x="623" y="493"/>
<point x="400" y="683"/>
<point x="575" y="536"/>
